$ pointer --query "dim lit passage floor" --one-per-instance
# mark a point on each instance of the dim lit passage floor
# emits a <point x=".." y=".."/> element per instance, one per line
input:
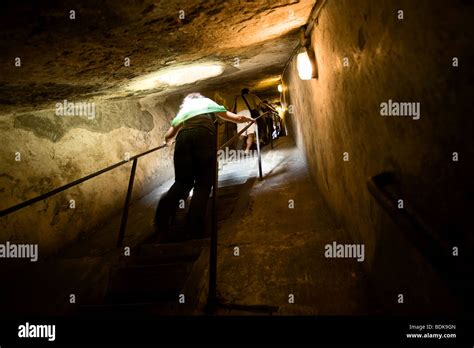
<point x="271" y="239"/>
<point x="271" y="250"/>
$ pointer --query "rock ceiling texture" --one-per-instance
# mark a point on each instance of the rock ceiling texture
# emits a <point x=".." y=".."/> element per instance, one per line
<point x="85" y="57"/>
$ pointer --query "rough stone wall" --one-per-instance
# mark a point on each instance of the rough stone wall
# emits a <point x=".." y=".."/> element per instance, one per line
<point x="405" y="60"/>
<point x="56" y="150"/>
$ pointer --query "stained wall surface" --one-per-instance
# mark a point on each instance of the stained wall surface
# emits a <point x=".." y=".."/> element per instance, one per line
<point x="362" y="64"/>
<point x="42" y="151"/>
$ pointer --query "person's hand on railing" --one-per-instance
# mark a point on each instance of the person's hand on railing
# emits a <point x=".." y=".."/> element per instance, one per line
<point x="170" y="134"/>
<point x="243" y="119"/>
<point x="169" y="142"/>
<point x="231" y="117"/>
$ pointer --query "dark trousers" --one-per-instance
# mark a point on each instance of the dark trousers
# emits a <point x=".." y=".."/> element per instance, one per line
<point x="194" y="156"/>
<point x="269" y="120"/>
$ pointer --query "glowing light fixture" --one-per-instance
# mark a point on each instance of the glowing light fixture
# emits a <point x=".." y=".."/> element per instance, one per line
<point x="177" y="76"/>
<point x="303" y="64"/>
<point x="306" y="60"/>
<point x="280" y="88"/>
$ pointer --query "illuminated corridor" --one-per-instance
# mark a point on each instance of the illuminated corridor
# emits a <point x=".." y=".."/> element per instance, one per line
<point x="356" y="201"/>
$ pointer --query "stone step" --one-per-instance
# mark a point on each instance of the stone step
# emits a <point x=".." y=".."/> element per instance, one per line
<point x="44" y="287"/>
<point x="167" y="253"/>
<point x="149" y="282"/>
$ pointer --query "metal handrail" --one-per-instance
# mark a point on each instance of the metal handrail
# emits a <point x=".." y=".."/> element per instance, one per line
<point x="231" y="140"/>
<point x="46" y="195"/>
<point x="85" y="178"/>
<point x="212" y="293"/>
<point x="257" y="140"/>
<point x="456" y="272"/>
<point x="212" y="299"/>
<point x="423" y="237"/>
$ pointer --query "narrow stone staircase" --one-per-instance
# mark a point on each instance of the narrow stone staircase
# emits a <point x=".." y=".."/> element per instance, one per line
<point x="167" y="279"/>
<point x="151" y="283"/>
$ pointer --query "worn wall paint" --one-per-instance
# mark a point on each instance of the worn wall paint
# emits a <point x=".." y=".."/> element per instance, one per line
<point x="106" y="117"/>
<point x="408" y="60"/>
<point x="56" y="150"/>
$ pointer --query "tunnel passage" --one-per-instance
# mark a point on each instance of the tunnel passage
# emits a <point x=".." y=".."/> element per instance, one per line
<point x="364" y="198"/>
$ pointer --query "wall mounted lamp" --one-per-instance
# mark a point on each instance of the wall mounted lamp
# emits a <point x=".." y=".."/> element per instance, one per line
<point x="306" y="59"/>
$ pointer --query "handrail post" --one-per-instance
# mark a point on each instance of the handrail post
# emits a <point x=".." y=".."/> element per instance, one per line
<point x="212" y="294"/>
<point x="123" y="224"/>
<point x="271" y="130"/>
<point x="257" y="138"/>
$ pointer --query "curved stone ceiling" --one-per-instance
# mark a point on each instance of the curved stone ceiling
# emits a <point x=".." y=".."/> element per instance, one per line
<point x="110" y="44"/>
